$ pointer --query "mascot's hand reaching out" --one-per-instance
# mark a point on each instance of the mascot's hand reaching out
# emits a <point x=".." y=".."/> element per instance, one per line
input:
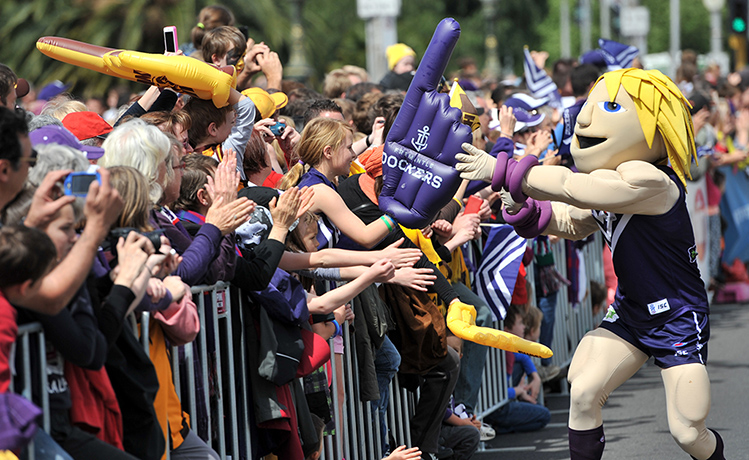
<point x="461" y="319"/>
<point x="529" y="217"/>
<point x="476" y="164"/>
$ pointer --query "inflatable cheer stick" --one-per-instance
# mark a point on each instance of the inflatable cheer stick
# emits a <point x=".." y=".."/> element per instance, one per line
<point x="180" y="73"/>
<point x="419" y="153"/>
<point x="461" y="319"/>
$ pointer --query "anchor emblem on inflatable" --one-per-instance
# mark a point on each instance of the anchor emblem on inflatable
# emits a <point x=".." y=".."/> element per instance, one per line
<point x="423" y="141"/>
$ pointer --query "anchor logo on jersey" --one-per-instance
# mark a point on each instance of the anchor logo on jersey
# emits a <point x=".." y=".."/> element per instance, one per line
<point x="423" y="140"/>
<point x="693" y="254"/>
<point x="605" y="221"/>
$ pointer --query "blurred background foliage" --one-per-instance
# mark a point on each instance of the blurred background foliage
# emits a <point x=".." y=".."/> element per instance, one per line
<point x="334" y="35"/>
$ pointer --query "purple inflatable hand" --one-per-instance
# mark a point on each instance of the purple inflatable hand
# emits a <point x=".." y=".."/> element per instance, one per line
<point x="419" y="154"/>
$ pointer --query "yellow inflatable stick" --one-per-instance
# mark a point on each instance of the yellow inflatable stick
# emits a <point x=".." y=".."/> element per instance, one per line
<point x="461" y="319"/>
<point x="180" y="73"/>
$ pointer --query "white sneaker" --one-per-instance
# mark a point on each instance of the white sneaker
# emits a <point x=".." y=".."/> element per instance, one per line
<point x="487" y="432"/>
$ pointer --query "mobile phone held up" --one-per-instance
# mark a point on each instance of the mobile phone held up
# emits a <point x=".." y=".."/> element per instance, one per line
<point x="171" y="45"/>
<point x="77" y="183"/>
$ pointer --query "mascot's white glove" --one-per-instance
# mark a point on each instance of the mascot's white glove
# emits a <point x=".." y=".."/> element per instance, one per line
<point x="476" y="164"/>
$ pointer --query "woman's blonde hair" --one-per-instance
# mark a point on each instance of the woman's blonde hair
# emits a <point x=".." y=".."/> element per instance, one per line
<point x="133" y="188"/>
<point x="61" y="107"/>
<point x="317" y="134"/>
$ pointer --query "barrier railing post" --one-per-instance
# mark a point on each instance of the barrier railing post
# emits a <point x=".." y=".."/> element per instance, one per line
<point x="233" y="416"/>
<point x="219" y="386"/>
<point x="246" y="403"/>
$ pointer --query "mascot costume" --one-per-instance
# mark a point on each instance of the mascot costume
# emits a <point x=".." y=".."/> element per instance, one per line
<point x="634" y="123"/>
<point x="419" y="177"/>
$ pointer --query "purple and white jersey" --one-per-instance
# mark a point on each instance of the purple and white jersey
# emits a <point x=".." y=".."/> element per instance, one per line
<point x="327" y="234"/>
<point x="655" y="259"/>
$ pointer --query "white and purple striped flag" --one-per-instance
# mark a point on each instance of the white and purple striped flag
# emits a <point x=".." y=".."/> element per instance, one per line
<point x="539" y="82"/>
<point x="617" y="54"/>
<point x="498" y="271"/>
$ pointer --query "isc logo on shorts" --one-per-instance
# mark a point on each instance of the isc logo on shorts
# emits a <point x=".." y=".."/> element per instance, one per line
<point x="658" y="307"/>
<point x="611" y="315"/>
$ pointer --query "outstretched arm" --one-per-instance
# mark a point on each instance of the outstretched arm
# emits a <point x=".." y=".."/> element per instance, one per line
<point x="570" y="222"/>
<point x="330" y="203"/>
<point x="635" y="187"/>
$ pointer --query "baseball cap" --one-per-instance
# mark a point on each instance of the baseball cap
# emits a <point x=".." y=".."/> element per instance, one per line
<point x="698" y="100"/>
<point x="52" y="89"/>
<point x="525" y="108"/>
<point x="85" y="125"/>
<point x="52" y="134"/>
<point x="266" y="103"/>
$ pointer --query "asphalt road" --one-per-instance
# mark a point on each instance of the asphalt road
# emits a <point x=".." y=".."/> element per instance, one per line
<point x="635" y="414"/>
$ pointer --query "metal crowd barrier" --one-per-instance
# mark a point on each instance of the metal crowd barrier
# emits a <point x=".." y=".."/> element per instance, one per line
<point x="574" y="321"/>
<point x="35" y="356"/>
<point x="356" y="438"/>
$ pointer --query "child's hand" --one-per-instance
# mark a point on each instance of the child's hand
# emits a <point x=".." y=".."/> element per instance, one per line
<point x="156" y="289"/>
<point x="401" y="453"/>
<point x="443" y="229"/>
<point x="414" y="278"/>
<point x="348" y="313"/>
<point x="340" y="314"/>
<point x="284" y="209"/>
<point x="405" y="257"/>
<point x="382" y="271"/>
<point x="507" y="121"/>
<point x="176" y="287"/>
<point x="225" y="179"/>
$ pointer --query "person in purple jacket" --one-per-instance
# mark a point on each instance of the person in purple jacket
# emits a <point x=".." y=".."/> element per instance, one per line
<point x="633" y="145"/>
<point x="142" y="146"/>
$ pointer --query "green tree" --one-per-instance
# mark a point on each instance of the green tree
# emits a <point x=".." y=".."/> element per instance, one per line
<point x="118" y="24"/>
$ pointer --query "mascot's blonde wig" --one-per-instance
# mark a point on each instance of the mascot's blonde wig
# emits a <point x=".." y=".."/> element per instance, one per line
<point x="660" y="104"/>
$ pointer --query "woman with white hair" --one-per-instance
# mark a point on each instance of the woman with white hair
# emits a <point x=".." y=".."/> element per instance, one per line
<point x="144" y="147"/>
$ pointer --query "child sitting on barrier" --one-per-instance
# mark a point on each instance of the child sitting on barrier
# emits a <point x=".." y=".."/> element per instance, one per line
<point x="532" y="318"/>
<point x="522" y="413"/>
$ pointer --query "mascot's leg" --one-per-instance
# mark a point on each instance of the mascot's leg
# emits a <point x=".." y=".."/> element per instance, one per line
<point x="688" y="403"/>
<point x="601" y="363"/>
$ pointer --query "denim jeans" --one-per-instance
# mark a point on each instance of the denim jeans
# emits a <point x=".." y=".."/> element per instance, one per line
<point x="518" y="416"/>
<point x="548" y="306"/>
<point x="474" y="355"/>
<point x="387" y="361"/>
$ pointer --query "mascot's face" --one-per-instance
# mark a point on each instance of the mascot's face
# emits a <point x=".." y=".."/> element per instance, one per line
<point x="609" y="133"/>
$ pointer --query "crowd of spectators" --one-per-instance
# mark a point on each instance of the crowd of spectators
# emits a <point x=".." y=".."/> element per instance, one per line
<point x="277" y="193"/>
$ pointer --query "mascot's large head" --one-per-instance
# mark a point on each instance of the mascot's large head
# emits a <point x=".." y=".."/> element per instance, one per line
<point x="634" y="114"/>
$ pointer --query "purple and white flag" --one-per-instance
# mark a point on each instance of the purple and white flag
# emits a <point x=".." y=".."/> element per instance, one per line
<point x="498" y="271"/>
<point x="539" y="82"/>
<point x="617" y="54"/>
